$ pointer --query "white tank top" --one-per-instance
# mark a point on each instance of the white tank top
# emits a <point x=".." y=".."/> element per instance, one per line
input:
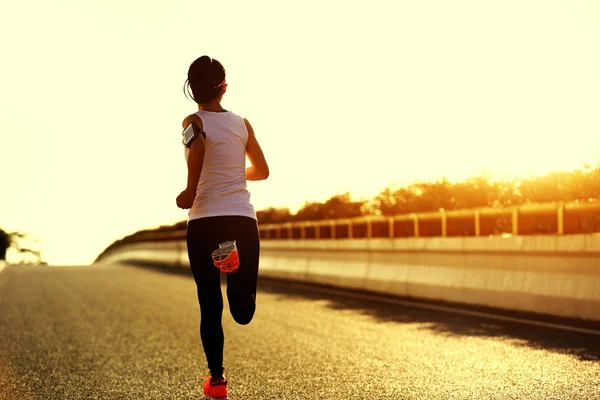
<point x="222" y="186"/>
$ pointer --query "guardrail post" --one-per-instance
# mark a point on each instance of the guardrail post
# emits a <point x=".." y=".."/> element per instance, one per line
<point x="560" y="218"/>
<point x="416" y="224"/>
<point x="391" y="229"/>
<point x="369" y="228"/>
<point x="444" y="223"/>
<point x="477" y="222"/>
<point x="303" y="231"/>
<point x="290" y="231"/>
<point x="317" y="230"/>
<point x="332" y="228"/>
<point x="350" y="230"/>
<point x="515" y="221"/>
<point x="278" y="232"/>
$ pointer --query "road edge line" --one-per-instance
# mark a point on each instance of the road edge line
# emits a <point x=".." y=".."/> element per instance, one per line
<point x="480" y="314"/>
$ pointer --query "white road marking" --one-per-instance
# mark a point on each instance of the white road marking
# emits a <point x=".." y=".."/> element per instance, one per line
<point x="415" y="304"/>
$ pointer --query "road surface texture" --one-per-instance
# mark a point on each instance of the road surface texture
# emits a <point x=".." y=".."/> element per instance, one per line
<point x="116" y="332"/>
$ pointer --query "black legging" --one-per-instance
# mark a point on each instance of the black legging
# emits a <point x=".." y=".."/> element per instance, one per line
<point x="203" y="237"/>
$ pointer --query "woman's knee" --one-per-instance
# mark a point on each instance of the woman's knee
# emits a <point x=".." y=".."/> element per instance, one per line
<point x="242" y="308"/>
<point x="243" y="315"/>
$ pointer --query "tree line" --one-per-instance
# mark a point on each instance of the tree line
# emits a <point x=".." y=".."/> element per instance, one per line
<point x="477" y="191"/>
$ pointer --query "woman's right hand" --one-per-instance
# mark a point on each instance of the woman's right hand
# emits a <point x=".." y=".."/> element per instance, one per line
<point x="185" y="199"/>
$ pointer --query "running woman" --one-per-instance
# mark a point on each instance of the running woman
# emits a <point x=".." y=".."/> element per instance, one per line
<point x="220" y="210"/>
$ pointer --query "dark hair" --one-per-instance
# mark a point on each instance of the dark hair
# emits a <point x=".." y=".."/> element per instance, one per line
<point x="206" y="76"/>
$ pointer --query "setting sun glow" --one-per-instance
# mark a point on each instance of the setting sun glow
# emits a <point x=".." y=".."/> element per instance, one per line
<point x="343" y="96"/>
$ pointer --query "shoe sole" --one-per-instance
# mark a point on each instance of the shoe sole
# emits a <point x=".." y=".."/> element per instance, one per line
<point x="215" y="398"/>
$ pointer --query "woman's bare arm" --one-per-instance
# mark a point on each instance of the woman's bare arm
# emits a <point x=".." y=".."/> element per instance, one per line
<point x="196" y="156"/>
<point x="259" y="169"/>
<point x="195" y="161"/>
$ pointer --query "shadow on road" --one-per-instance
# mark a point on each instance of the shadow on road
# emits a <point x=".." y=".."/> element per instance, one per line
<point x="585" y="347"/>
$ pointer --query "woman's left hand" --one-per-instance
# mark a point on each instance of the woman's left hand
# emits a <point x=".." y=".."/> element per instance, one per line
<point x="186" y="199"/>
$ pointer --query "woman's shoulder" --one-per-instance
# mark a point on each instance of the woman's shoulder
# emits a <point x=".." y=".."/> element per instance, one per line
<point x="233" y="114"/>
<point x="192" y="118"/>
<point x="236" y="117"/>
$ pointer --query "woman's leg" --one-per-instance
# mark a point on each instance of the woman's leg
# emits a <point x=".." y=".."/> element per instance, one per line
<point x="201" y="241"/>
<point x="241" y="285"/>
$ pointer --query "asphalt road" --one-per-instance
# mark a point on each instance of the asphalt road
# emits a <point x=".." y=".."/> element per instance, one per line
<point x="112" y="332"/>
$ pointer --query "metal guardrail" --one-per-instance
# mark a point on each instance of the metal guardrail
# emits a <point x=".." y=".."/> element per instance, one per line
<point x="529" y="219"/>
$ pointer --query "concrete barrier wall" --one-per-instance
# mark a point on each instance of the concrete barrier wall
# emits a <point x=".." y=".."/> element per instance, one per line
<point x="556" y="275"/>
<point x="170" y="253"/>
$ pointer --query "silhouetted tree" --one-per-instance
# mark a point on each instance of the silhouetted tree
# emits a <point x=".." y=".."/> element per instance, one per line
<point x="339" y="206"/>
<point x="562" y="186"/>
<point x="274" y="215"/>
<point x="5" y="241"/>
<point x="393" y="202"/>
<point x="13" y="239"/>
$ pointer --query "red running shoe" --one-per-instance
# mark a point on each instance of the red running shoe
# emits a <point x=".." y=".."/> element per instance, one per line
<point x="226" y="257"/>
<point x="215" y="389"/>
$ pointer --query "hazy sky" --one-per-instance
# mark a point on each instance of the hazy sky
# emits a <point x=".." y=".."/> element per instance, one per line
<point x="343" y="95"/>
